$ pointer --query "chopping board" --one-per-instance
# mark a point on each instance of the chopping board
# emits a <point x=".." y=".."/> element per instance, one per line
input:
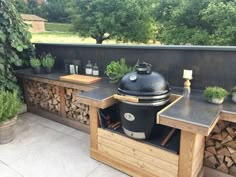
<point x="76" y="78"/>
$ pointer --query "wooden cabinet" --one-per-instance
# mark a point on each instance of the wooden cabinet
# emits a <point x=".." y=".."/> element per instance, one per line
<point x="151" y="160"/>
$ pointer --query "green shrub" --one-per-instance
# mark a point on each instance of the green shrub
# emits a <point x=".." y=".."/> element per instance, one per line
<point x="15" y="45"/>
<point x="215" y="92"/>
<point x="48" y="61"/>
<point x="35" y="62"/>
<point x="117" y="69"/>
<point x="9" y="105"/>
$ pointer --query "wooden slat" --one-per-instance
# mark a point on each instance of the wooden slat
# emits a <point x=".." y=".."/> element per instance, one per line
<point x="26" y="96"/>
<point x="145" y="148"/>
<point x="62" y="101"/>
<point x="58" y="118"/>
<point x="126" y="98"/>
<point x="191" y="145"/>
<point x="228" y="116"/>
<point x="119" y="164"/>
<point x="93" y="127"/>
<point x="156" y="162"/>
<point x="131" y="160"/>
<point x="187" y="126"/>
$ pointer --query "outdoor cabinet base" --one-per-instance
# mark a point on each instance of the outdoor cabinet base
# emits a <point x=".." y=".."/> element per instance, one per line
<point x="137" y="158"/>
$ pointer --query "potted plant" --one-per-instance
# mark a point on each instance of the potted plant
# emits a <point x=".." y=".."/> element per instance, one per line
<point x="117" y="69"/>
<point x="215" y="95"/>
<point x="10" y="105"/>
<point x="48" y="62"/>
<point x="233" y="93"/>
<point x="35" y="64"/>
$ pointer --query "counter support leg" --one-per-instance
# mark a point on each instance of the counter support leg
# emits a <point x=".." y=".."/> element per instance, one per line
<point x="93" y="127"/>
<point x="191" y="154"/>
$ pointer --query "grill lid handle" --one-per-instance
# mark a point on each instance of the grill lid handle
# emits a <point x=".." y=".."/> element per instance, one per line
<point x="144" y="68"/>
<point x="126" y="98"/>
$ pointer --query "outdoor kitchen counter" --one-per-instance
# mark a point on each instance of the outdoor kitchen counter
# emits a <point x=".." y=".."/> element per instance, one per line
<point x="192" y="114"/>
<point x="48" y="96"/>
<point x="55" y="78"/>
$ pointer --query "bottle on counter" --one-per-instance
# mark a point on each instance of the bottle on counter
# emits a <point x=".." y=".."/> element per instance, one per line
<point x="95" y="70"/>
<point x="72" y="69"/>
<point x="89" y="68"/>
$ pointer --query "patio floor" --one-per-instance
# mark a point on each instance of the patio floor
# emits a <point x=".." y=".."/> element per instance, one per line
<point x="43" y="148"/>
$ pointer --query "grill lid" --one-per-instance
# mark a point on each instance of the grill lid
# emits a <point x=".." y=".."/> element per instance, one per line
<point x="144" y="82"/>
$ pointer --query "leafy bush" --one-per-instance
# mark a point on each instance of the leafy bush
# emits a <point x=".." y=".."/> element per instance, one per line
<point x="9" y="105"/>
<point x="35" y="62"/>
<point x="48" y="61"/>
<point x="15" y="45"/>
<point x="117" y="69"/>
<point x="215" y="92"/>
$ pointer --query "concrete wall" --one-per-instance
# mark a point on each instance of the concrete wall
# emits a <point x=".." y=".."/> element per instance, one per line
<point x="211" y="65"/>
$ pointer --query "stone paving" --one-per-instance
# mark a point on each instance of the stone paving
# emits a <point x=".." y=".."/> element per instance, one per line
<point x="44" y="148"/>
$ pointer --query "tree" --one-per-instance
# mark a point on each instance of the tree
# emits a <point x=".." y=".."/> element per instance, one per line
<point x="201" y="22"/>
<point x="15" y="45"/>
<point x="126" y="20"/>
<point x="56" y="11"/>
<point x="22" y="6"/>
<point x="31" y="7"/>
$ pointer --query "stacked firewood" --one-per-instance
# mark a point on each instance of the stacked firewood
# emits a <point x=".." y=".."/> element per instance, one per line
<point x="43" y="95"/>
<point x="220" y="150"/>
<point x="75" y="110"/>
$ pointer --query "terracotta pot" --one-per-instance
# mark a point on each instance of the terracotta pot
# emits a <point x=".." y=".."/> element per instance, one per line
<point x="37" y="70"/>
<point x="7" y="129"/>
<point x="216" y="100"/>
<point x="234" y="97"/>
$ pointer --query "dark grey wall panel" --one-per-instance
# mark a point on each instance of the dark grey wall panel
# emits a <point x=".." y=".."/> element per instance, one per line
<point x="210" y="65"/>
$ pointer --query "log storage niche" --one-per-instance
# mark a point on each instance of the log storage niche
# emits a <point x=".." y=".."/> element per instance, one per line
<point x="57" y="100"/>
<point x="74" y="110"/>
<point x="43" y="95"/>
<point x="220" y="151"/>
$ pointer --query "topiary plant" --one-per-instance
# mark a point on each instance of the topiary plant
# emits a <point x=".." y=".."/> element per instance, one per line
<point x="9" y="105"/>
<point x="212" y="93"/>
<point x="117" y="69"/>
<point x="48" y="61"/>
<point x="35" y="62"/>
<point x="15" y="45"/>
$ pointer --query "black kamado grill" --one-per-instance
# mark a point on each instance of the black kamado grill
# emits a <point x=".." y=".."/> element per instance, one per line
<point x="141" y="95"/>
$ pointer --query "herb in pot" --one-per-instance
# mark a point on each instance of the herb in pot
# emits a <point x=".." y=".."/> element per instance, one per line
<point x="215" y="95"/>
<point x="35" y="64"/>
<point x="117" y="69"/>
<point x="48" y="62"/>
<point x="10" y="104"/>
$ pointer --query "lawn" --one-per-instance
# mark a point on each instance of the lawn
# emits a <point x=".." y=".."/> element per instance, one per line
<point x="64" y="37"/>
<point x="62" y="27"/>
<point x="62" y="33"/>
